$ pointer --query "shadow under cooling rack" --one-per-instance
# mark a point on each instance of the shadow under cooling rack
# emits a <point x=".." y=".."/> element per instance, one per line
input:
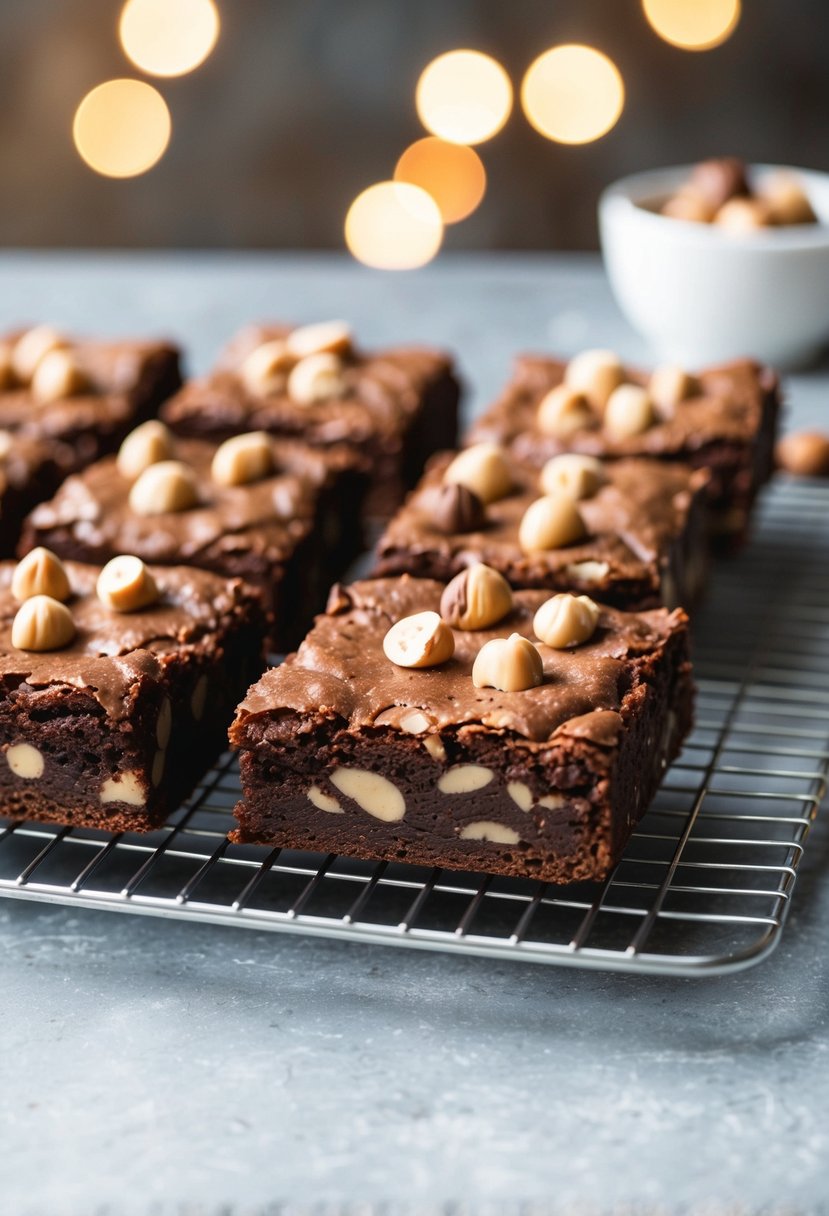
<point x="706" y="880"/>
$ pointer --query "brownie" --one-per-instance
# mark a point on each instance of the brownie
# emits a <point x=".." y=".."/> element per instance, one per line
<point x="344" y="752"/>
<point x="289" y="534"/>
<point x="729" y="428"/>
<point x="114" y="729"/>
<point x="645" y="543"/>
<point x="119" y="384"/>
<point x="396" y="408"/>
<point x="30" y="471"/>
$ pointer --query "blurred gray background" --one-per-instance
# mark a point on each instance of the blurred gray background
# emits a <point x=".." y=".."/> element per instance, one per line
<point x="305" y="102"/>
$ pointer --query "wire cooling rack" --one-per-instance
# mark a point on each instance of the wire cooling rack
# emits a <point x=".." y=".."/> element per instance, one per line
<point x="704" y="885"/>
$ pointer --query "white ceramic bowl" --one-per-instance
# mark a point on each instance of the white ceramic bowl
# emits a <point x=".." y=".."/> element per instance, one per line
<point x="700" y="294"/>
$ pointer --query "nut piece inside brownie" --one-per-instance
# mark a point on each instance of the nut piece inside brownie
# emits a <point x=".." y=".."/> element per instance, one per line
<point x="116" y="686"/>
<point x="638" y="538"/>
<point x="393" y="407"/>
<point x="723" y="418"/>
<point x="276" y="512"/>
<point x="491" y="750"/>
<point x="83" y="394"/>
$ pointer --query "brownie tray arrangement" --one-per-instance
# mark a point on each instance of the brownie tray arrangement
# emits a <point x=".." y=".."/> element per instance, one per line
<point x="503" y="695"/>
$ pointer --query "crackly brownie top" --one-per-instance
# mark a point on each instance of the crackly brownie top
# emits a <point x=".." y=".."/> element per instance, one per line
<point x="631" y="521"/>
<point x="341" y="670"/>
<point x="107" y="374"/>
<point x="270" y="515"/>
<point x="112" y="650"/>
<point x="379" y="393"/>
<point x="727" y="409"/>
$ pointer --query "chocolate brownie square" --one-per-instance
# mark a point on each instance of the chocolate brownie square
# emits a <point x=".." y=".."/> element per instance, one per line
<point x="723" y="419"/>
<point x="30" y="471"/>
<point x="508" y="756"/>
<point x="393" y="407"/>
<point x="86" y="395"/>
<point x="636" y="537"/>
<point x="276" y="512"/>
<point x="108" y="718"/>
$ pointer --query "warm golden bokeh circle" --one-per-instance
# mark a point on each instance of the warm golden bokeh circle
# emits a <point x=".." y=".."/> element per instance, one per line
<point x="168" y="37"/>
<point x="394" y="226"/>
<point x="122" y="128"/>
<point x="573" y="94"/>
<point x="694" y="25"/>
<point x="453" y="174"/>
<point x="464" y="97"/>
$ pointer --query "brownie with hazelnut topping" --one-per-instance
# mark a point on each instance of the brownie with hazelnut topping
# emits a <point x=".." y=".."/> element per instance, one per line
<point x="278" y="513"/>
<point x="114" y="703"/>
<point x="723" y="419"/>
<point x="81" y="395"/>
<point x="30" y="471"/>
<point x="391" y="735"/>
<point x="394" y="407"/>
<point x="635" y="536"/>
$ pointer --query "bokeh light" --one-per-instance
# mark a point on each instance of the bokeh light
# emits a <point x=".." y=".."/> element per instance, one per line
<point x="122" y="128"/>
<point x="168" y="37"/>
<point x="394" y="226"/>
<point x="464" y="97"/>
<point x="694" y="25"/>
<point x="573" y="94"/>
<point x="453" y="174"/>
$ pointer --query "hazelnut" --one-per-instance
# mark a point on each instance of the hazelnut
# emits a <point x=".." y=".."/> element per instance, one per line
<point x="629" y="411"/>
<point x="804" y="453"/>
<point x="510" y="664"/>
<point x="743" y="215"/>
<point x="266" y="368"/>
<point x="574" y="475"/>
<point x="421" y="640"/>
<point x="563" y="411"/>
<point x="457" y="509"/>
<point x="56" y="376"/>
<point x="476" y="598"/>
<point x="483" y="469"/>
<point x="243" y="459"/>
<point x="719" y="180"/>
<point x="148" y="444"/>
<point x="316" y="378"/>
<point x="31" y="347"/>
<point x="125" y="585"/>
<point x="786" y="200"/>
<point x="686" y="204"/>
<point x="166" y="486"/>
<point x="566" y="620"/>
<point x="669" y="385"/>
<point x="6" y="366"/>
<point x="40" y="572"/>
<point x="550" y="522"/>
<point x="326" y="337"/>
<point x="42" y="623"/>
<point x="595" y="373"/>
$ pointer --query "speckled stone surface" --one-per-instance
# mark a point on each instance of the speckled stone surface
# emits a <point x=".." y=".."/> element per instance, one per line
<point x="150" y="1066"/>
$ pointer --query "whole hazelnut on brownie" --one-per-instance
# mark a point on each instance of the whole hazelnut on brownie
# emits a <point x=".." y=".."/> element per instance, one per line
<point x="551" y="522"/>
<point x="566" y="620"/>
<point x="595" y="373"/>
<point x="510" y="664"/>
<point x="169" y="485"/>
<point x="40" y="572"/>
<point x="126" y="585"/>
<point x="42" y="623"/>
<point x="456" y="508"/>
<point x="482" y="469"/>
<point x="243" y="459"/>
<point x="148" y="444"/>
<point x="476" y="598"/>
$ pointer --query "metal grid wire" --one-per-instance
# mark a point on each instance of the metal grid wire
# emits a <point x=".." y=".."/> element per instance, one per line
<point x="704" y="885"/>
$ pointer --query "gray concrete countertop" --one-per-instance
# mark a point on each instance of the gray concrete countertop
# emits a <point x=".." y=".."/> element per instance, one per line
<point x="153" y="1066"/>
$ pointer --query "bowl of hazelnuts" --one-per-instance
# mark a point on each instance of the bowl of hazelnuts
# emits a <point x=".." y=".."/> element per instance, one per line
<point x="719" y="260"/>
